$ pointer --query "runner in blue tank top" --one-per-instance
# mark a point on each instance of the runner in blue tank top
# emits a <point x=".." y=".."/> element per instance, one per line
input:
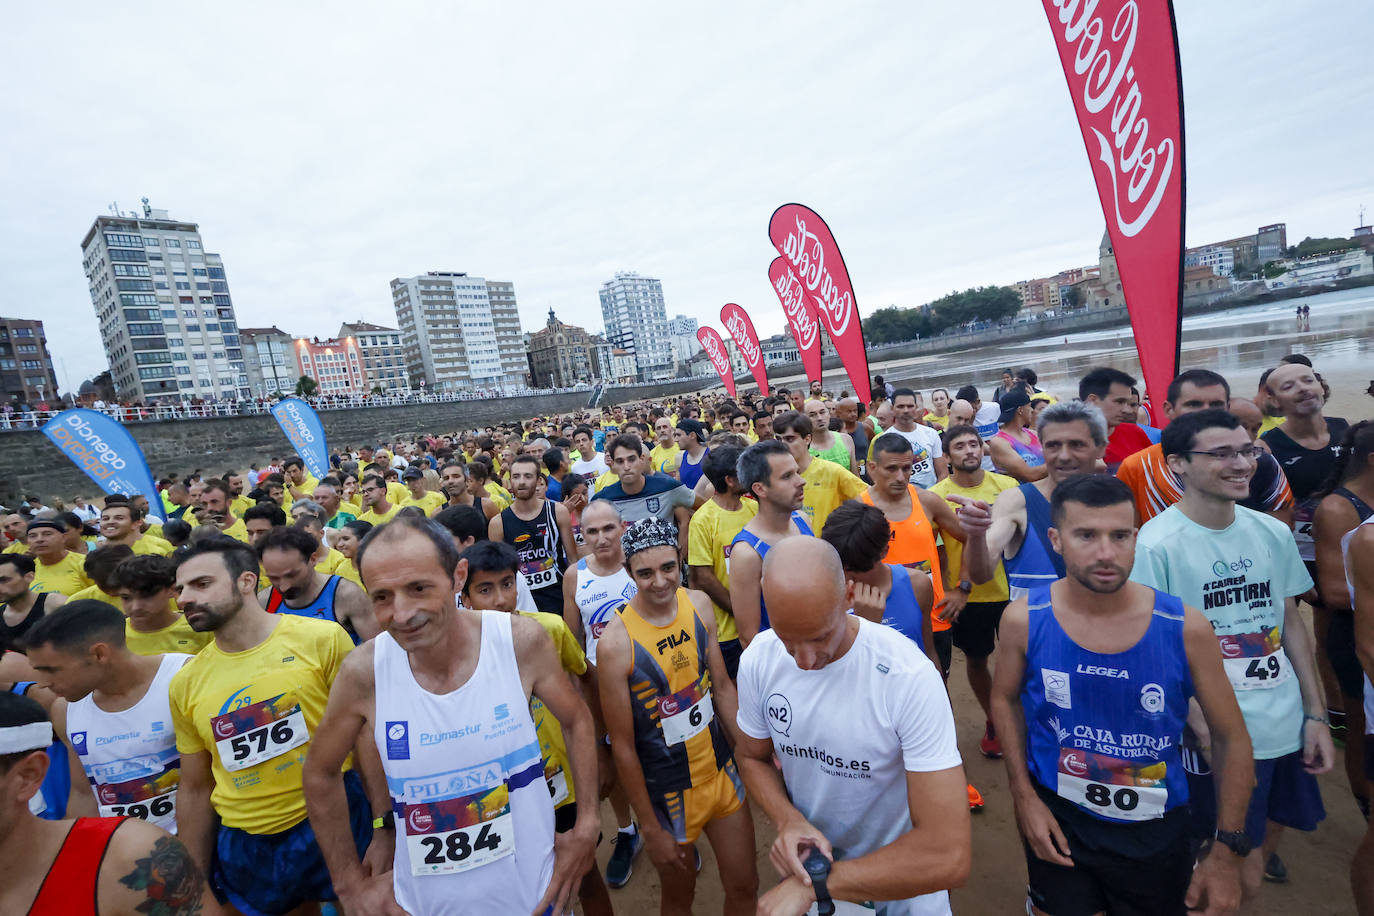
<point x="769" y="473"/>
<point x="288" y="558"/>
<point x="1074" y="437"/>
<point x="1091" y="693"/>
<point x="886" y="593"/>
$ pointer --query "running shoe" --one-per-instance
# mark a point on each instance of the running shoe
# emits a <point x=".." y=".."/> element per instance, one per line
<point x="625" y="847"/>
<point x="1275" y="871"/>
<point x="990" y="746"/>
<point x="975" y="799"/>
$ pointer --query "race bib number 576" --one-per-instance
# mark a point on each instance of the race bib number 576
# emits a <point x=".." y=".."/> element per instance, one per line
<point x="248" y="736"/>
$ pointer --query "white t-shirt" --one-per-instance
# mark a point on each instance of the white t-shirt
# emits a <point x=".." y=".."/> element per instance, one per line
<point x="925" y="442"/>
<point x="848" y="734"/>
<point x="590" y="470"/>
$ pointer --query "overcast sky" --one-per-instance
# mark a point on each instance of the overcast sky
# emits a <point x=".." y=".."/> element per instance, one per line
<point x="326" y="150"/>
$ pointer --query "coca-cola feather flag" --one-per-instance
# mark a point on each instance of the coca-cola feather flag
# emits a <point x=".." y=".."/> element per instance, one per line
<point x="736" y="321"/>
<point x="802" y="319"/>
<point x="714" y="346"/>
<point x="806" y="243"/>
<point x="1121" y="61"/>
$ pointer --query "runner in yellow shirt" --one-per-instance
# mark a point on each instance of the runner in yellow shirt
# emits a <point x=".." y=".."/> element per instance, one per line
<point x="119" y="524"/>
<point x="146" y="588"/>
<point x="380" y="509"/>
<point x="429" y="501"/>
<point x="99" y="566"/>
<point x="666" y="453"/>
<point x="57" y="569"/>
<point x="827" y="484"/>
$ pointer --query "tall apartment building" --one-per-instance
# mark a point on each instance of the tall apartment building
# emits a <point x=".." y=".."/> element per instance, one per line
<point x="269" y="361"/>
<point x="682" y="339"/>
<point x="26" y="374"/>
<point x="383" y="359"/>
<point x="636" y="319"/>
<point x="335" y="365"/>
<point x="459" y="332"/>
<point x="166" y="319"/>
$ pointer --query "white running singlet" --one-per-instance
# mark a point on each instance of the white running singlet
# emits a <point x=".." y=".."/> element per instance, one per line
<point x="474" y="820"/>
<point x="130" y="757"/>
<point x="598" y="598"/>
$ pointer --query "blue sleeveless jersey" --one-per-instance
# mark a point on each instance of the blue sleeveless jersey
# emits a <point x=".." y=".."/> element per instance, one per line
<point x="761" y="547"/>
<point x="1037" y="563"/>
<point x="322" y="608"/>
<point x="57" y="785"/>
<point x="903" y="613"/>
<point x="1102" y="731"/>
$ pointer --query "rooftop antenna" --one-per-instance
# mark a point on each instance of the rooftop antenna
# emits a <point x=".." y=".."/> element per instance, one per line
<point x="1361" y="214"/>
<point x="114" y="207"/>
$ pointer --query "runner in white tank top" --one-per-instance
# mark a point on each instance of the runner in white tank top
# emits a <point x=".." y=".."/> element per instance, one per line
<point x="130" y="756"/>
<point x="590" y="599"/>
<point x="445" y="692"/>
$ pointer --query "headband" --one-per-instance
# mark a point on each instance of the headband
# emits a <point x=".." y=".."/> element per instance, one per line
<point x="646" y="534"/>
<point x="16" y="739"/>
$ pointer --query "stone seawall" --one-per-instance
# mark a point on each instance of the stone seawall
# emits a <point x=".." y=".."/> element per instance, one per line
<point x="31" y="465"/>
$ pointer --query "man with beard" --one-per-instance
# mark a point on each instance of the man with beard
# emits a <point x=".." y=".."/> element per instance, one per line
<point x="21" y="606"/>
<point x="288" y="556"/>
<point x="768" y="472"/>
<point x="376" y="494"/>
<point x="540" y="531"/>
<point x="244" y="710"/>
<point x="1099" y="787"/>
<point x="1074" y="436"/>
<point x="238" y="497"/>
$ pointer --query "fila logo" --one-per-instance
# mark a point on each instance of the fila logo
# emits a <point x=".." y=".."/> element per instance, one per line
<point x="673" y="641"/>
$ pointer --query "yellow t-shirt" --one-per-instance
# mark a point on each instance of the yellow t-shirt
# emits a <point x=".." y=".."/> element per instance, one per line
<point x="240" y="505"/>
<point x="177" y="637"/>
<point x="996" y="588"/>
<point x="605" y="480"/>
<point x="372" y="518"/>
<point x="94" y="593"/>
<point x="396" y="493"/>
<point x="260" y="705"/>
<point x="709" y="535"/>
<point x="430" y="502"/>
<point x="1269" y="423"/>
<point x="331" y="562"/>
<point x="827" y="485"/>
<point x="238" y="531"/>
<point x="16" y="547"/>
<point x="552" y="747"/>
<point x="938" y="422"/>
<point x="67" y="575"/>
<point x="664" y="460"/>
<point x="499" y="494"/>
<point x="151" y="545"/>
<point x="346" y="570"/>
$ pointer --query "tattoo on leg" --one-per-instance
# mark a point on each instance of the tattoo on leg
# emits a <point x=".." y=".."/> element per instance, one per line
<point x="170" y="878"/>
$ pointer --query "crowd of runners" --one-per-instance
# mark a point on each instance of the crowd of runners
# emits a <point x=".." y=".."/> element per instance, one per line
<point x="407" y="686"/>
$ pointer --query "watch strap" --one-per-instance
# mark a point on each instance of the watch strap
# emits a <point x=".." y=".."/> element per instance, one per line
<point x="386" y="822"/>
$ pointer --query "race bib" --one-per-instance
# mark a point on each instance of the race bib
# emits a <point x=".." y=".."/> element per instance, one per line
<point x="459" y="834"/>
<point x="160" y="809"/>
<point x="558" y="786"/>
<point x="539" y="573"/>
<point x="685" y="714"/>
<point x="1303" y="513"/>
<point x="1255" y="661"/>
<point x="248" y="736"/>
<point x="1106" y="786"/>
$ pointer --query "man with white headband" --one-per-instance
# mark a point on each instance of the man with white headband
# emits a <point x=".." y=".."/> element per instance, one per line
<point x="103" y="866"/>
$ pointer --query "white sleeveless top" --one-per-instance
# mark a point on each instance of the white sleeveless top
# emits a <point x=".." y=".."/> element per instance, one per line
<point x="598" y="598"/>
<point x="474" y="820"/>
<point x="1350" y="586"/>
<point x="131" y="757"/>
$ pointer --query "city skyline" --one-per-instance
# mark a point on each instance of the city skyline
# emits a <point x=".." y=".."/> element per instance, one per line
<point x="955" y="167"/>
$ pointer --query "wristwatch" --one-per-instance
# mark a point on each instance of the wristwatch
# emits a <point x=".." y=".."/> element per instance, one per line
<point x="818" y="867"/>
<point x="385" y="822"/>
<point x="965" y="586"/>
<point x="1238" y="841"/>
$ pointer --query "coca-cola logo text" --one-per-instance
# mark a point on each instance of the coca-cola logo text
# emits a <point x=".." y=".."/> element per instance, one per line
<point x="748" y="348"/>
<point x="790" y="293"/>
<point x="804" y="249"/>
<point x="715" y="354"/>
<point x="1112" y="101"/>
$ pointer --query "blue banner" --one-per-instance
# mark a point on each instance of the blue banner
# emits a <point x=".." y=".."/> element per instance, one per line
<point x="303" y="427"/>
<point x="106" y="452"/>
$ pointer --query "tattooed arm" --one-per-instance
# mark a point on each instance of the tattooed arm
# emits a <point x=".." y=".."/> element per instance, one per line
<point x="147" y="872"/>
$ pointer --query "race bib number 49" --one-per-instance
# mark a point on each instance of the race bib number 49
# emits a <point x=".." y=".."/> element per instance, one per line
<point x="685" y="714"/>
<point x="1118" y="789"/>
<point x="1255" y="661"/>
<point x="248" y="736"/>
<point x="459" y="834"/>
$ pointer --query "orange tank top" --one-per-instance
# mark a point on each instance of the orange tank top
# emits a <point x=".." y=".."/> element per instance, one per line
<point x="913" y="545"/>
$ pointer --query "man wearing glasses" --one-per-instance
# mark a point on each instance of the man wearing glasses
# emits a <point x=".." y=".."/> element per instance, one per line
<point x="1241" y="568"/>
<point x="379" y="510"/>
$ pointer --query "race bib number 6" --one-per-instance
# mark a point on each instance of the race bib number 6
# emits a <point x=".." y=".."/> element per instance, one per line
<point x="459" y="834"/>
<point x="685" y="714"/>
<point x="262" y="731"/>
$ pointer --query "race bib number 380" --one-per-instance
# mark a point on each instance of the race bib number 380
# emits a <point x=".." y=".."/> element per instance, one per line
<point x="248" y="736"/>
<point x="1118" y="789"/>
<point x="459" y="834"/>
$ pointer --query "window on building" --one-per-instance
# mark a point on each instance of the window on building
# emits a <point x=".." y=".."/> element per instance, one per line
<point x="173" y="243"/>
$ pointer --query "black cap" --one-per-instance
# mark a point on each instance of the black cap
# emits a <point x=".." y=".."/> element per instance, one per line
<point x="47" y="523"/>
<point x="693" y="428"/>
<point x="412" y="473"/>
<point x="1013" y="401"/>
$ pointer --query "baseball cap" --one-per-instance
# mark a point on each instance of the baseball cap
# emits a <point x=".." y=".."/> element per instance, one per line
<point x="412" y="473"/>
<point x="47" y="523"/>
<point x="1012" y="401"/>
<point x="694" y="428"/>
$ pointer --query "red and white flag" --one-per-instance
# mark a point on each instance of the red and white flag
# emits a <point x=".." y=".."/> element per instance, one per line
<point x="802" y="319"/>
<point x="1121" y="61"/>
<point x="714" y="346"/>
<point x="736" y="321"/>
<point x="807" y="245"/>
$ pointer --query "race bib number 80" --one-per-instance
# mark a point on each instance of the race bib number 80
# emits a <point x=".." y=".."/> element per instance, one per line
<point x="1112" y="788"/>
<point x="459" y="834"/>
<point x="262" y="731"/>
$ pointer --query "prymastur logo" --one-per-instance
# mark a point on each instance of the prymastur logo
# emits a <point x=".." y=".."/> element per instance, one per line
<point x="1222" y="568"/>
